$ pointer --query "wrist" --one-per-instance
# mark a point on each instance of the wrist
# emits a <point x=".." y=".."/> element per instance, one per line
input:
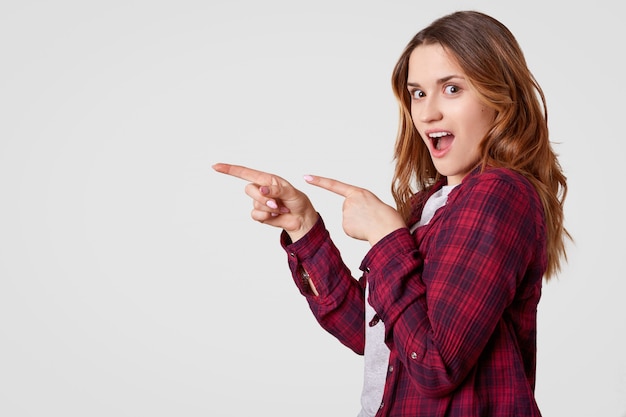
<point x="377" y="237"/>
<point x="306" y="224"/>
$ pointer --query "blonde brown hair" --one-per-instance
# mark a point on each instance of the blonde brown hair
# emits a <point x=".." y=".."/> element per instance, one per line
<point x="495" y="67"/>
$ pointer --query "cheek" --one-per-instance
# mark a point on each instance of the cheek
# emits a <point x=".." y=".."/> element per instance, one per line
<point x="416" y="126"/>
<point x="483" y="122"/>
<point x="488" y="117"/>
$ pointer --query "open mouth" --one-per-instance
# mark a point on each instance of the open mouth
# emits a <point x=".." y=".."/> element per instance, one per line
<point x="441" y="140"/>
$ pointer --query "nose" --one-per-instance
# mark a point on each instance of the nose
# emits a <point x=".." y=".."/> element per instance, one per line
<point x="428" y="110"/>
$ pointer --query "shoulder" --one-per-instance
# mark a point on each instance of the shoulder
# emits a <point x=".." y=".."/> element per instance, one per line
<point x="498" y="174"/>
<point x="498" y="190"/>
<point x="499" y="181"/>
<point x="498" y="200"/>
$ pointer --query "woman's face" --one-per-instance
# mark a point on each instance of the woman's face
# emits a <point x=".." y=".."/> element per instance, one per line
<point x="446" y="111"/>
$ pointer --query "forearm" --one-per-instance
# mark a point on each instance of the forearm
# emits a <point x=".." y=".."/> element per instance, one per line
<point x="334" y="296"/>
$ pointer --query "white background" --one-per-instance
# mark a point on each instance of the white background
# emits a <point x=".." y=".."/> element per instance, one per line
<point x="132" y="280"/>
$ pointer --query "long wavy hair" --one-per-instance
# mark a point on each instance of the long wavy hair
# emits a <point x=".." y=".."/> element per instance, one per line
<point x="496" y="69"/>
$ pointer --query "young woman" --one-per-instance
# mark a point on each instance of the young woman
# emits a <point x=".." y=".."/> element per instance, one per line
<point x="445" y="310"/>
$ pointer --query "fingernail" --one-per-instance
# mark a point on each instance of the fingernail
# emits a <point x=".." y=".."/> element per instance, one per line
<point x="271" y="204"/>
<point x="274" y="214"/>
<point x="264" y="190"/>
<point x="308" y="178"/>
<point x="284" y="209"/>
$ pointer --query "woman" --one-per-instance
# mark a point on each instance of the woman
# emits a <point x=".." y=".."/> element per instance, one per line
<point x="445" y="311"/>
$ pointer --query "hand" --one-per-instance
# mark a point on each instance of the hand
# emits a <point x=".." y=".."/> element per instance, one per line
<point x="275" y="201"/>
<point x="365" y="217"/>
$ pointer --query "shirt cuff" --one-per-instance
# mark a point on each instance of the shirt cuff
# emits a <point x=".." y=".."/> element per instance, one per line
<point x="307" y="245"/>
<point x="393" y="269"/>
<point x="397" y="242"/>
<point x="302" y="250"/>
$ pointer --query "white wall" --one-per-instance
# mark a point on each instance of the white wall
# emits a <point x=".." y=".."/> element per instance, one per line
<point x="132" y="280"/>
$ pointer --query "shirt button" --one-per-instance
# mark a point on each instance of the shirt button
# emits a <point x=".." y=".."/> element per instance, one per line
<point x="390" y="368"/>
<point x="374" y="320"/>
<point x="382" y="404"/>
<point x="292" y="254"/>
<point x="414" y="355"/>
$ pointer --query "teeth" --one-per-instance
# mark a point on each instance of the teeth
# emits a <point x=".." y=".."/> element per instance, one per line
<point x="438" y="134"/>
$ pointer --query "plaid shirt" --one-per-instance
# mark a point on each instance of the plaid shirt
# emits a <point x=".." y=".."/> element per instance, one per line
<point x="458" y="299"/>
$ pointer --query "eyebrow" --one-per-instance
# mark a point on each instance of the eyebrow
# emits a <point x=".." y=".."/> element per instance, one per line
<point x="439" y="81"/>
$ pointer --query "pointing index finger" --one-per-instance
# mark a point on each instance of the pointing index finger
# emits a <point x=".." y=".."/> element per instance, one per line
<point x="244" y="173"/>
<point x="330" y="184"/>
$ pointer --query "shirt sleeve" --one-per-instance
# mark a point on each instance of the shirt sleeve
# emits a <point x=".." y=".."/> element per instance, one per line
<point x="440" y="310"/>
<point x="339" y="306"/>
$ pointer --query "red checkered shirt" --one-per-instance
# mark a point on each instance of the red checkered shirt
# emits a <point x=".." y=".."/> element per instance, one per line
<point x="458" y="299"/>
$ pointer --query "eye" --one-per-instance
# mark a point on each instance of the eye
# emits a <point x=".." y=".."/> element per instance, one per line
<point x="452" y="89"/>
<point x="417" y="94"/>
